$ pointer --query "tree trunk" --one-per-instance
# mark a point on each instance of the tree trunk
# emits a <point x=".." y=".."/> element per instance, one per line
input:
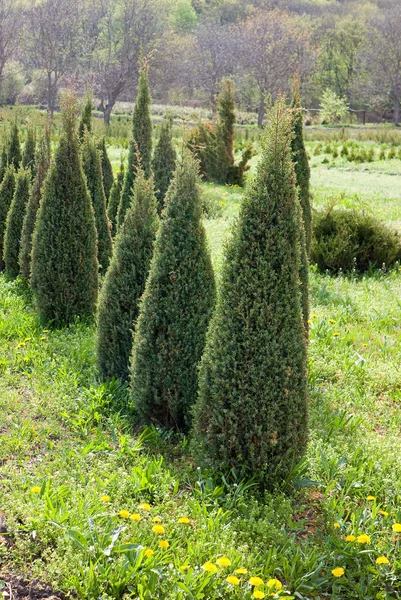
<point x="396" y="116"/>
<point x="107" y="113"/>
<point x="261" y="112"/>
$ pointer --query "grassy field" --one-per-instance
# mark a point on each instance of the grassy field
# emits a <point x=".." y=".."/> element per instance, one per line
<point x="70" y="461"/>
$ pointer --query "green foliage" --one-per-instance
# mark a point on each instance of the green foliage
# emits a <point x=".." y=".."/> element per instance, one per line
<point x="334" y="108"/>
<point x="64" y="263"/>
<point x="42" y="163"/>
<point x="7" y="188"/>
<point x="225" y="131"/>
<point x="85" y="124"/>
<point x="251" y="415"/>
<point x="107" y="169"/>
<point x="14" y="222"/>
<point x="175" y="309"/>
<point x="28" y="154"/>
<point x="93" y="172"/>
<point x="349" y="239"/>
<point x="114" y="199"/>
<point x="3" y="160"/>
<point x="140" y="150"/>
<point x="163" y="162"/>
<point x="125" y="282"/>
<point x="14" y="147"/>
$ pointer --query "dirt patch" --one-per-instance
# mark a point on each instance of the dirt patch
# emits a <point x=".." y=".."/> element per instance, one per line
<point x="17" y="588"/>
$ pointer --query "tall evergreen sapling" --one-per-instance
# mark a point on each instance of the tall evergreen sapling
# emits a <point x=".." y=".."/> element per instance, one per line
<point x="175" y="309"/>
<point x="3" y="160"/>
<point x="225" y="131"/>
<point x="125" y="282"/>
<point x="14" y="147"/>
<point x="300" y="158"/>
<point x="42" y="162"/>
<point x="64" y="264"/>
<point x="85" y="124"/>
<point x="114" y="199"/>
<point x="141" y="143"/>
<point x="93" y="171"/>
<point x="15" y="219"/>
<point x="7" y="188"/>
<point x="28" y="154"/>
<point x="107" y="169"/>
<point x="251" y="414"/>
<point x="163" y="162"/>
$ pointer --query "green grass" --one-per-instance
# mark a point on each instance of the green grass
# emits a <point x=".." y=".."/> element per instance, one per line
<point x="73" y="438"/>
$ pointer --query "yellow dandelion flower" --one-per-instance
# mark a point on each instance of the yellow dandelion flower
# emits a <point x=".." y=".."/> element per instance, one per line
<point x="158" y="529"/>
<point x="363" y="539"/>
<point x="258" y="594"/>
<point x="124" y="514"/>
<point x="184" y="520"/>
<point x="144" y="506"/>
<point x="156" y="520"/>
<point x="350" y="538"/>
<point x="148" y="552"/>
<point x="209" y="567"/>
<point x="105" y="498"/>
<point x="365" y="345"/>
<point x="314" y="316"/>
<point x="223" y="561"/>
<point x="35" y="489"/>
<point x="256" y="581"/>
<point x="185" y="567"/>
<point x="233" y="580"/>
<point x="43" y="338"/>
<point x="336" y="334"/>
<point x="338" y="572"/>
<point x="382" y="560"/>
<point x="275" y="583"/>
<point x="383" y="512"/>
<point x="332" y="321"/>
<point x="397" y="527"/>
<point x="371" y="498"/>
<point x="27" y="339"/>
<point x="336" y="525"/>
<point x="45" y="331"/>
<point x="136" y="517"/>
<point x="241" y="571"/>
<point x="310" y="321"/>
<point x="163" y="544"/>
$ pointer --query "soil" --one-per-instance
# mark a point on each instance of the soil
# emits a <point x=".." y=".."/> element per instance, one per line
<point x="17" y="588"/>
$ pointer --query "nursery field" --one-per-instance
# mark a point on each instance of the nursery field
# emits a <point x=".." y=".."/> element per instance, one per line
<point x="82" y="495"/>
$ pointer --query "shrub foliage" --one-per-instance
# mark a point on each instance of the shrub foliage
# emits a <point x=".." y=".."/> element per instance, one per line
<point x="114" y="199"/>
<point x="15" y="219"/>
<point x="107" y="169"/>
<point x="7" y="188"/>
<point x="163" y="162"/>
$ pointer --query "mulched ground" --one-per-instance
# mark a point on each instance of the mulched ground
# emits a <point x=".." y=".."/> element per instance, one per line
<point x="17" y="588"/>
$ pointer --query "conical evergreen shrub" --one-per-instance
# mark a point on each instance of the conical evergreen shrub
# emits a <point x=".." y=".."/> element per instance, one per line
<point x="14" y="147"/>
<point x="107" y="170"/>
<point x="15" y="219"/>
<point x="225" y="131"/>
<point x="7" y="188"/>
<point x="64" y="251"/>
<point x="251" y="414"/>
<point x="3" y="160"/>
<point x="141" y="143"/>
<point x="125" y="282"/>
<point x="300" y="158"/>
<point x="175" y="309"/>
<point x="93" y="171"/>
<point x="28" y="154"/>
<point x="163" y="162"/>
<point x="114" y="199"/>
<point x="42" y="162"/>
<point x="85" y="124"/>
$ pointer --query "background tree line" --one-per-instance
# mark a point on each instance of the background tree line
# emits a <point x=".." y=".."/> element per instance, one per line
<point x="352" y="48"/>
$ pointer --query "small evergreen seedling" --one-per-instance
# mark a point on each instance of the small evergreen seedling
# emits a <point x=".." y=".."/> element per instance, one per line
<point x="141" y="143"/>
<point x="42" y="162"/>
<point x="125" y="282"/>
<point x="107" y="170"/>
<point x="93" y="171"/>
<point x="28" y="155"/>
<point x="163" y="162"/>
<point x="14" y="148"/>
<point x="114" y="200"/>
<point x="7" y="188"/>
<point x="175" y="309"/>
<point x="251" y="414"/>
<point x="64" y="250"/>
<point x="85" y="124"/>
<point x="15" y="219"/>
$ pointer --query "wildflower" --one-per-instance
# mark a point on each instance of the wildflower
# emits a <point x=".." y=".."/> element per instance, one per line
<point x="314" y="316"/>
<point x="310" y="321"/>
<point x="336" y="525"/>
<point x="350" y="538"/>
<point x="185" y="567"/>
<point x="336" y="334"/>
<point x="397" y="527"/>
<point x="223" y="561"/>
<point x="124" y="514"/>
<point x="332" y="321"/>
<point x="136" y="517"/>
<point x="144" y="506"/>
<point x="256" y="581"/>
<point x="35" y="489"/>
<point x="382" y="560"/>
<point x="27" y="339"/>
<point x="275" y="583"/>
<point x="156" y="520"/>
<point x="43" y="338"/>
<point x="371" y="498"/>
<point x="45" y="331"/>
<point x="365" y="345"/>
<point x="233" y="580"/>
<point x="363" y="539"/>
<point x="338" y="572"/>
<point x="158" y="529"/>
<point x="258" y="594"/>
<point x="241" y="571"/>
<point x="105" y="498"/>
<point x="163" y="544"/>
<point x="148" y="552"/>
<point x="184" y="520"/>
<point x="384" y="513"/>
<point x="209" y="567"/>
